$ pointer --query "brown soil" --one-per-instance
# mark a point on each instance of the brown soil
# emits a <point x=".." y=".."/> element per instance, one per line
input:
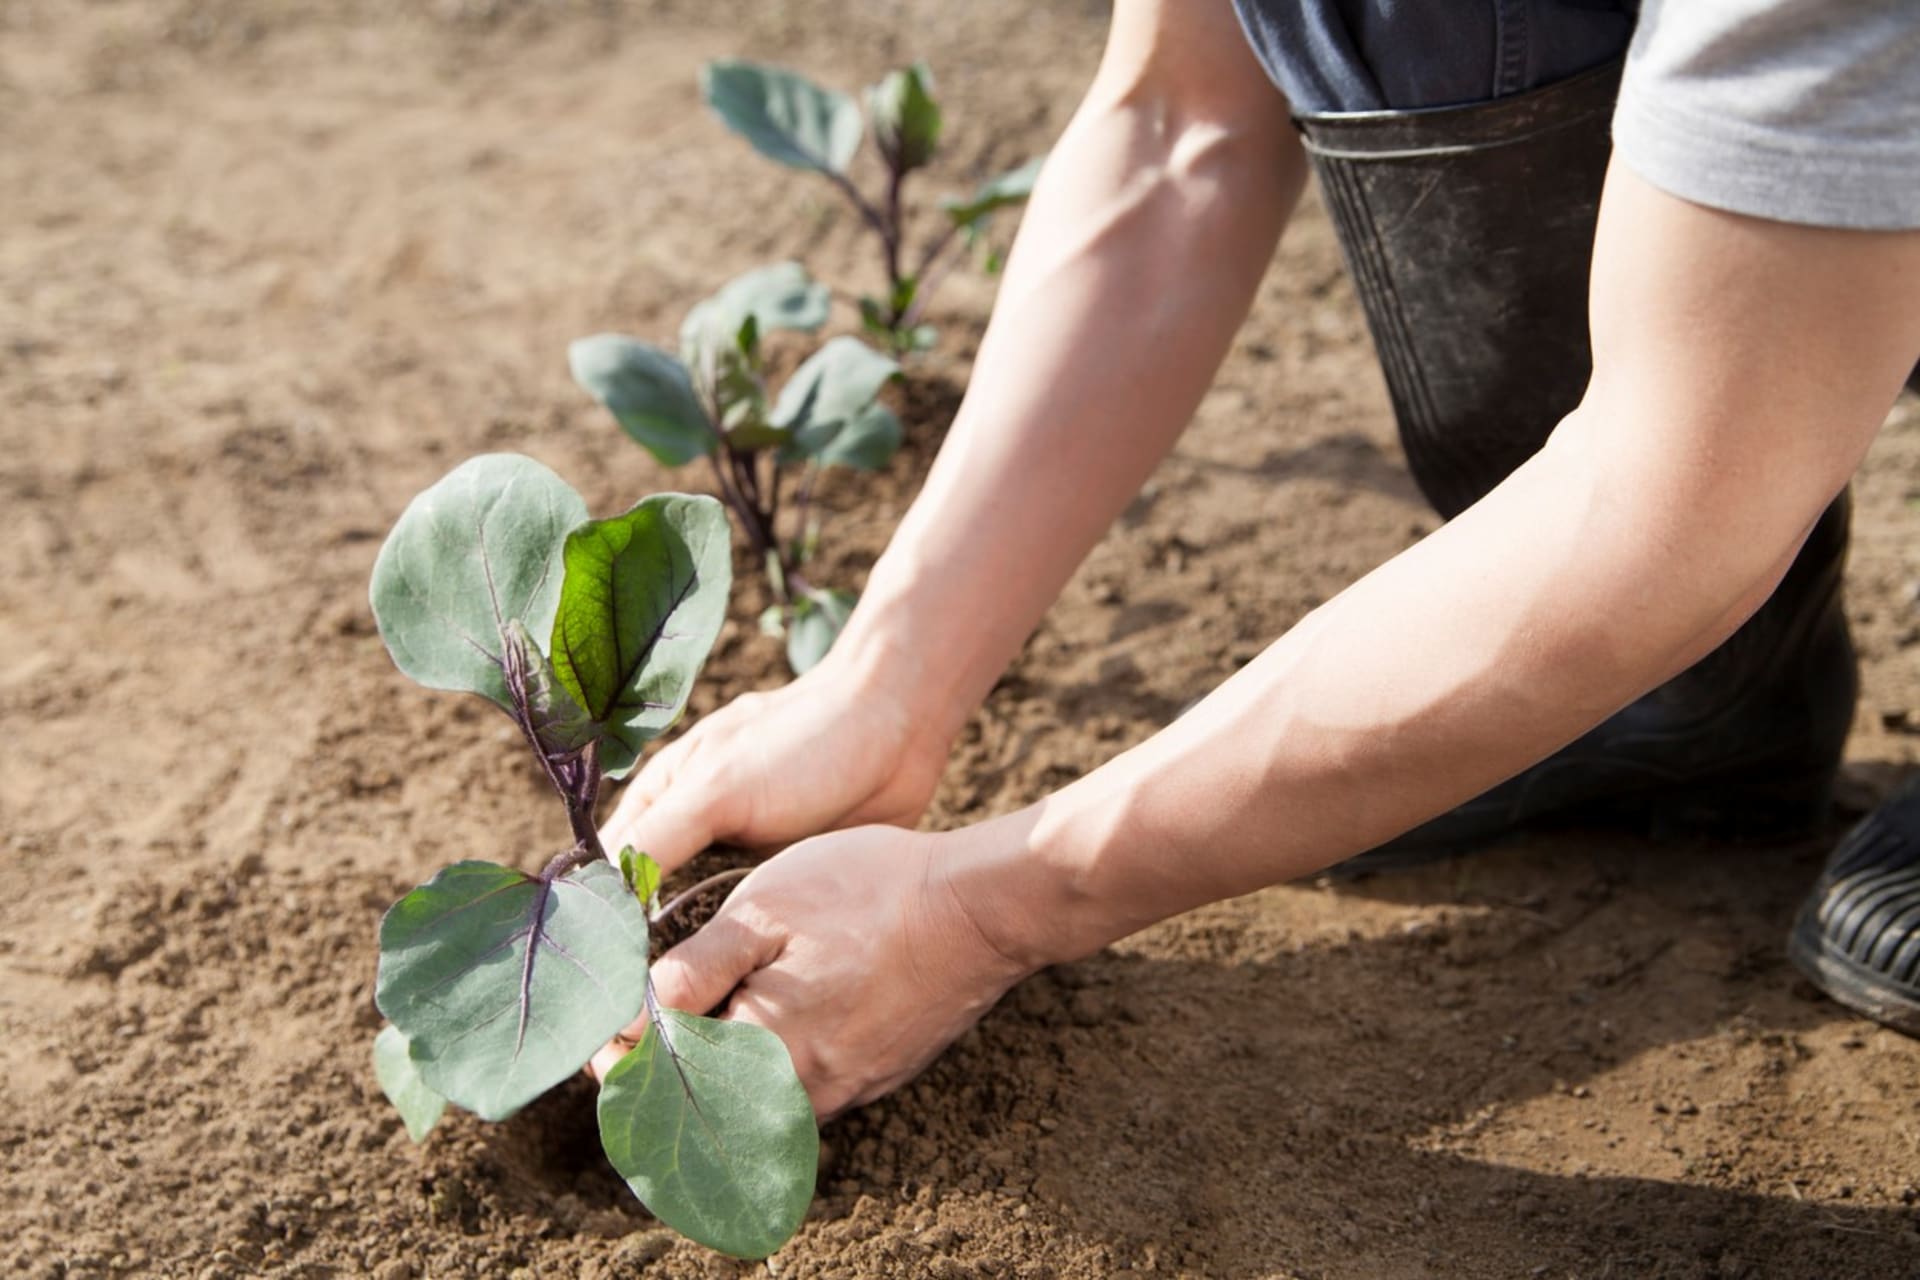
<point x="269" y="267"/>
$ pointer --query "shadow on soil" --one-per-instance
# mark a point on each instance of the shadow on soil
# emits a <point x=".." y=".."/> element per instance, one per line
<point x="1277" y="1093"/>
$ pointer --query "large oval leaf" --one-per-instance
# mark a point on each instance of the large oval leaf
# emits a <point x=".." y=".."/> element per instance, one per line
<point x="505" y="984"/>
<point x="710" y="1126"/>
<point x="477" y="552"/>
<point x="648" y="393"/>
<point x="419" y="1106"/>
<point x="641" y="603"/>
<point x="786" y="117"/>
<point x="828" y="405"/>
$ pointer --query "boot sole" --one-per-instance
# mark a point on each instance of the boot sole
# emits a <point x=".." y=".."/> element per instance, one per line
<point x="1847" y="981"/>
<point x="1769" y="811"/>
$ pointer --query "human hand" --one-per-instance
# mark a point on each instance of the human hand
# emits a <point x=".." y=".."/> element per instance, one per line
<point x="838" y="747"/>
<point x="858" y="949"/>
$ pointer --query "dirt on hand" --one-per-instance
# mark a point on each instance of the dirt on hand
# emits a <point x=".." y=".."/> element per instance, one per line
<point x="268" y="269"/>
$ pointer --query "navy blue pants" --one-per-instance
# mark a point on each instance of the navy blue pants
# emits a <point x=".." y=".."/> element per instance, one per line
<point x="1375" y="55"/>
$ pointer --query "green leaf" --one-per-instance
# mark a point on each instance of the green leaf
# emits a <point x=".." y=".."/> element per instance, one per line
<point x="641" y="603"/>
<point x="561" y="724"/>
<point x="475" y="553"/>
<point x="906" y="120"/>
<point x="818" y="619"/>
<point x="648" y="393"/>
<point x="419" y="1106"/>
<point x="1011" y="187"/>
<point x="773" y="621"/>
<point x="867" y="442"/>
<point x="710" y="1126"/>
<point x="828" y="405"/>
<point x="780" y="296"/>
<point x="641" y="873"/>
<point x="922" y="337"/>
<point x="505" y="983"/>
<point x="786" y="117"/>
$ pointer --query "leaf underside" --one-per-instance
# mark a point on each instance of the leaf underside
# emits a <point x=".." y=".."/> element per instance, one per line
<point x="475" y="553"/>
<point x="710" y="1126"/>
<point x="504" y="984"/>
<point x="419" y="1106"/>
<point x="642" y="601"/>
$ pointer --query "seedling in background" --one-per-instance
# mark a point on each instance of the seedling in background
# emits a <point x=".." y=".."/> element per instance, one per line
<point x="501" y="983"/>
<point x="790" y="119"/>
<point x="713" y="403"/>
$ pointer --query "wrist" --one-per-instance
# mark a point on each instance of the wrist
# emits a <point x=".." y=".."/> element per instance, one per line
<point x="1025" y="884"/>
<point x="901" y="646"/>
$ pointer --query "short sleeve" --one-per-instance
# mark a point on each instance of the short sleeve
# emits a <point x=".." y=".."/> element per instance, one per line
<point x="1801" y="111"/>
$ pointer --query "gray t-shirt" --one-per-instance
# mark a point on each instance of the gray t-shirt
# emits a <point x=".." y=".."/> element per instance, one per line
<point x="1798" y="110"/>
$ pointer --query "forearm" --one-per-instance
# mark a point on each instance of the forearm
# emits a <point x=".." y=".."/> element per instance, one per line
<point x="1741" y="369"/>
<point x="1137" y="260"/>
<point x="1500" y="638"/>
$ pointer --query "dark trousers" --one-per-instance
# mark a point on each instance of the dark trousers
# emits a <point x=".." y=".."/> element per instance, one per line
<point x="1379" y="55"/>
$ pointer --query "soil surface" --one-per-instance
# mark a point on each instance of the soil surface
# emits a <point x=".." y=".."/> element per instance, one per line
<point x="269" y="267"/>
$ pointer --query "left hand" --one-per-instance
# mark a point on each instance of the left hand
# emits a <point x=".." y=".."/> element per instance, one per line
<point x="856" y="949"/>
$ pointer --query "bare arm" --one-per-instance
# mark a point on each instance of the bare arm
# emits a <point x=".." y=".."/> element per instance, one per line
<point x="1136" y="261"/>
<point x="1741" y="368"/>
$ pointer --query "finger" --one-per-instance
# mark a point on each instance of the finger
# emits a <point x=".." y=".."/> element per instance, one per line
<point x="670" y="830"/>
<point x="609" y="1055"/>
<point x="699" y="973"/>
<point x="668" y="838"/>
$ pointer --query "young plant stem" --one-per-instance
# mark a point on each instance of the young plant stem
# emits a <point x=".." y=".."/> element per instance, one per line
<point x="872" y="216"/>
<point x="891" y="240"/>
<point x="929" y="279"/>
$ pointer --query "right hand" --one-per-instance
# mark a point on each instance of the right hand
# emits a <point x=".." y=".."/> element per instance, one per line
<point x="833" y="749"/>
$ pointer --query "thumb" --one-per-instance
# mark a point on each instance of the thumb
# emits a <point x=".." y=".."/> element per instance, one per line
<point x="699" y="974"/>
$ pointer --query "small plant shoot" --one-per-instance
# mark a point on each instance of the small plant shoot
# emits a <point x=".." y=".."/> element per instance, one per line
<point x="712" y="402"/>
<point x="790" y="119"/>
<point x="499" y="983"/>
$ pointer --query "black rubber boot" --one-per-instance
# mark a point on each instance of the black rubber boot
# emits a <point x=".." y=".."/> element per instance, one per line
<point x="1858" y="936"/>
<point x="1469" y="232"/>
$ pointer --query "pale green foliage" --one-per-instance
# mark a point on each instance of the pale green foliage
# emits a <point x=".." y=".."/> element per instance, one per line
<point x="786" y="117"/>
<point x="644" y="596"/>
<point x="648" y="393"/>
<point x="828" y="407"/>
<point x="499" y="983"/>
<point x="818" y="619"/>
<point x="475" y="553"/>
<point x="709" y="1125"/>
<point x="505" y="984"/>
<point x="419" y="1106"/>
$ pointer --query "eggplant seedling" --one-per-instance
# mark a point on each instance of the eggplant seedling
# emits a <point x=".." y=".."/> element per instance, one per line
<point x="790" y="119"/>
<point x="500" y="983"/>
<point x="712" y="402"/>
